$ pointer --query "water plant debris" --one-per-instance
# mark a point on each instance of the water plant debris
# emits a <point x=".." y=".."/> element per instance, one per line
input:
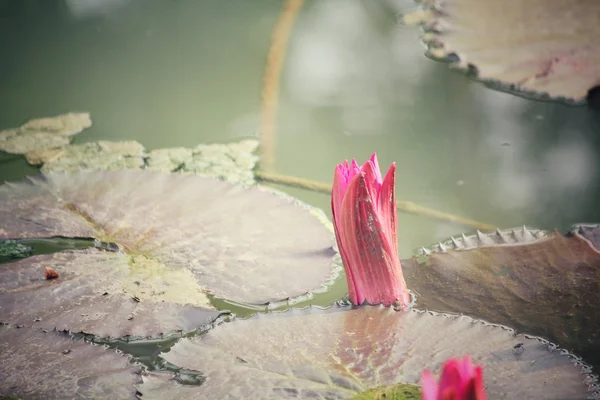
<point x="43" y="133"/>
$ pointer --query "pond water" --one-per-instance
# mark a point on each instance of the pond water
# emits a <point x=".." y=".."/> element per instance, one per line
<point x="353" y="82"/>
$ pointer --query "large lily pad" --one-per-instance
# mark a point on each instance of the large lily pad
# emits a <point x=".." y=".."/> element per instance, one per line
<point x="182" y="236"/>
<point x="337" y="353"/>
<point x="541" y="46"/>
<point x="43" y="133"/>
<point x="543" y="283"/>
<point x="50" y="365"/>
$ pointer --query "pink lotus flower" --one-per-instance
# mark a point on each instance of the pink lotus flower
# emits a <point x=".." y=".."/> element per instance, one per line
<point x="364" y="218"/>
<point x="460" y="380"/>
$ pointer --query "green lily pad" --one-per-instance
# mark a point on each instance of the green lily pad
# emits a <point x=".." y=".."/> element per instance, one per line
<point x="43" y="133"/>
<point x="182" y="237"/>
<point x="51" y="365"/>
<point x="341" y="352"/>
<point x="546" y="47"/>
<point x="543" y="283"/>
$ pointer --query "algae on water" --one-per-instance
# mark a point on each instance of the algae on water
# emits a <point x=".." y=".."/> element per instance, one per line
<point x="44" y="133"/>
<point x="14" y="249"/>
<point x="233" y="162"/>
<point x="400" y="391"/>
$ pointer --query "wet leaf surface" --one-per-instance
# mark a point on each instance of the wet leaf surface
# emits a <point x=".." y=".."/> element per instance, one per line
<point x="541" y="46"/>
<point x="101" y="293"/>
<point x="548" y="286"/>
<point x="43" y="133"/>
<point x="181" y="237"/>
<point x="51" y="365"/>
<point x="340" y="352"/>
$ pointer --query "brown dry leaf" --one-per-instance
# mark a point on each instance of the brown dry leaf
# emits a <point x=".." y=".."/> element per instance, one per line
<point x="50" y="273"/>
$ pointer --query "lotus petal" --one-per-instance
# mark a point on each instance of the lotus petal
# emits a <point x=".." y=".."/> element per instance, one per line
<point x="546" y="284"/>
<point x="339" y="352"/>
<point x="51" y="365"/>
<point x="182" y="237"/>
<point x="546" y="47"/>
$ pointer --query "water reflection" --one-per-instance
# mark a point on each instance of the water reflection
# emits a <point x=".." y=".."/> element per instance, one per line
<point x="178" y="73"/>
<point x="459" y="146"/>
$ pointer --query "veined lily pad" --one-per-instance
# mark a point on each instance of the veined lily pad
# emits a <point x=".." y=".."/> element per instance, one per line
<point x="543" y="46"/>
<point x="43" y="133"/>
<point x="50" y="365"/>
<point x="340" y="352"/>
<point x="538" y="282"/>
<point x="104" y="293"/>
<point x="182" y="236"/>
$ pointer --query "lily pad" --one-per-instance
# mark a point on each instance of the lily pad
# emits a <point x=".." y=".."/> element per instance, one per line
<point x="547" y="47"/>
<point x="51" y="365"/>
<point x="340" y="352"/>
<point x="543" y="283"/>
<point x="182" y="235"/>
<point x="102" y="293"/>
<point x="43" y="133"/>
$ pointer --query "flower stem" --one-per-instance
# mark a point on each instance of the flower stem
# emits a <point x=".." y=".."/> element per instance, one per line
<point x="403" y="206"/>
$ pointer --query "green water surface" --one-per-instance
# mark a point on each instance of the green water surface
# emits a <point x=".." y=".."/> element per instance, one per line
<point x="171" y="73"/>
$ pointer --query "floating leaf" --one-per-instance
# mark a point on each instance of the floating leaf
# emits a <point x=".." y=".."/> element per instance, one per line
<point x="43" y="133"/>
<point x="102" y="293"/>
<point x="338" y="353"/>
<point x="38" y="365"/>
<point x="182" y="236"/>
<point x="542" y="283"/>
<point x="542" y="46"/>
